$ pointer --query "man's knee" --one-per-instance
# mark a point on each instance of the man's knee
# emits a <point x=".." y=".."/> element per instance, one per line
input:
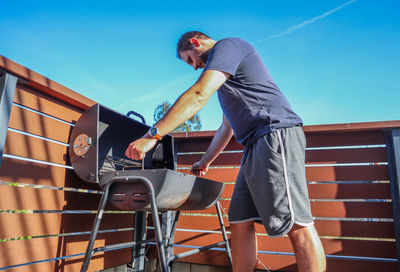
<point x="304" y="236"/>
<point x="242" y="227"/>
<point x="300" y="230"/>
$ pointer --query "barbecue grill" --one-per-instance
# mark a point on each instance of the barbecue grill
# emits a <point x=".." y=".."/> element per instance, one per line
<point x="97" y="147"/>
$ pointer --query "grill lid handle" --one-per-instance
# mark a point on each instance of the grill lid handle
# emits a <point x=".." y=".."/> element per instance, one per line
<point x="136" y="114"/>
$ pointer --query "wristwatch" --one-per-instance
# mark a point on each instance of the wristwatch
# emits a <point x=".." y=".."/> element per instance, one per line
<point x="153" y="132"/>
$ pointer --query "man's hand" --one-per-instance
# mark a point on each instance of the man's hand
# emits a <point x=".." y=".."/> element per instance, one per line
<point x="199" y="168"/>
<point x="137" y="149"/>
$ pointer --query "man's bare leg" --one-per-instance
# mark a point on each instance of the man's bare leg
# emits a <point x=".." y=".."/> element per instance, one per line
<point x="310" y="255"/>
<point x="244" y="246"/>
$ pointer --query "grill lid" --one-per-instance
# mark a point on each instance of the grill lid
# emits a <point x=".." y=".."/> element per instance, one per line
<point x="99" y="140"/>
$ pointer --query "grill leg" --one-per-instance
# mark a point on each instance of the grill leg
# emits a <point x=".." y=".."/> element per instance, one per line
<point x="95" y="229"/>
<point x="157" y="227"/>
<point x="221" y="223"/>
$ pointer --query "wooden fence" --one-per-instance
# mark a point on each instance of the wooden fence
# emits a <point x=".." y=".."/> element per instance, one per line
<point x="46" y="211"/>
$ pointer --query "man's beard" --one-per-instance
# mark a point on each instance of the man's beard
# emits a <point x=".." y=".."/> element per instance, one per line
<point x="204" y="56"/>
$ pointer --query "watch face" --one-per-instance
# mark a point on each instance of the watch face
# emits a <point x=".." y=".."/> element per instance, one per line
<point x="153" y="131"/>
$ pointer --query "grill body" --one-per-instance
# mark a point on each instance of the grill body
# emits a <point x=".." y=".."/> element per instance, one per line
<point x="174" y="190"/>
<point x="97" y="153"/>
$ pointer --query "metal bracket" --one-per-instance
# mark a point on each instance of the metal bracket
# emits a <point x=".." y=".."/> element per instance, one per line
<point x="7" y="90"/>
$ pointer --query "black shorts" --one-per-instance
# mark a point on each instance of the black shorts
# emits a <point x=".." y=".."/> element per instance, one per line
<point x="271" y="186"/>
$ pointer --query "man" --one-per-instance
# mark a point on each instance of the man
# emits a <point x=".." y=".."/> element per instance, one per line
<point x="271" y="186"/>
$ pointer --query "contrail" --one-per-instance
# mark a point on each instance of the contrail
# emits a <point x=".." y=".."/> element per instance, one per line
<point x="307" y="22"/>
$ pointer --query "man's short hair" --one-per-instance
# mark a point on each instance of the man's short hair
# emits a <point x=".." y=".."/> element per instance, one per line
<point x="184" y="43"/>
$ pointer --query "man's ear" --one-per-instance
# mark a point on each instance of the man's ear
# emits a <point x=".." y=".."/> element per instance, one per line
<point x="195" y="42"/>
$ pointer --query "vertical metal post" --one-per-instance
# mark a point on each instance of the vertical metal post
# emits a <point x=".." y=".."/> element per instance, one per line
<point x="166" y="229"/>
<point x="7" y="89"/>
<point x="168" y="225"/>
<point x="139" y="234"/>
<point x="393" y="155"/>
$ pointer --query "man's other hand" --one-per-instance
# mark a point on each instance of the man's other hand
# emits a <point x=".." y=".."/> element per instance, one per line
<point x="137" y="149"/>
<point x="199" y="169"/>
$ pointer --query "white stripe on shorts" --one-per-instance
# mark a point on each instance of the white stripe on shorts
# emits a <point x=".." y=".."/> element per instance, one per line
<point x="286" y="183"/>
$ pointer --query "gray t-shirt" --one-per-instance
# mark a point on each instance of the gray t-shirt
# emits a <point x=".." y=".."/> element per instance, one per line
<point x="250" y="100"/>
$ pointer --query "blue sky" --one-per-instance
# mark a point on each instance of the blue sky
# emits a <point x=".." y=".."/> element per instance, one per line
<point x="336" y="61"/>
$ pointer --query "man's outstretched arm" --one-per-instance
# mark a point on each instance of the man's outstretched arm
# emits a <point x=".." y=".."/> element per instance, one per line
<point x="187" y="105"/>
<point x="218" y="143"/>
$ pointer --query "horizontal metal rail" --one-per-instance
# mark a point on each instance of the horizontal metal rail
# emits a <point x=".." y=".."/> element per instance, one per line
<point x="43" y="114"/>
<point x="195" y="251"/>
<point x="121" y="246"/>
